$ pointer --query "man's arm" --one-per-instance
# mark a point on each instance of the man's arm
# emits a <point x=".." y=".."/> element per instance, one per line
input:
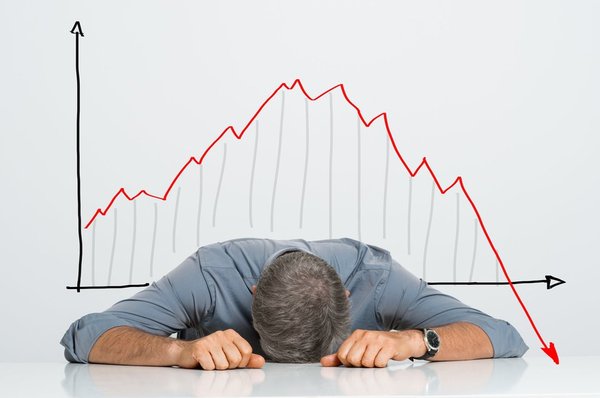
<point x="179" y="300"/>
<point x="371" y="348"/>
<point x="124" y="345"/>
<point x="459" y="341"/>
<point x="408" y="302"/>
<point x="135" y="331"/>
<point x="129" y="346"/>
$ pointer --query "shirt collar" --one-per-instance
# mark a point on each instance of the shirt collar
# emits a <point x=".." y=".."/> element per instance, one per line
<point x="283" y="251"/>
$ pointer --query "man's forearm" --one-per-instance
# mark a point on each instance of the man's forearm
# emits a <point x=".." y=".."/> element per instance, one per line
<point x="125" y="345"/>
<point x="462" y="341"/>
<point x="374" y="348"/>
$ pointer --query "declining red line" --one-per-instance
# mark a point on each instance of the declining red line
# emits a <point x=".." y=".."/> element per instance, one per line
<point x="548" y="349"/>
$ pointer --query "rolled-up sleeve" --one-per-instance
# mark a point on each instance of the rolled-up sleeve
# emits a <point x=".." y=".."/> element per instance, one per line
<point x="179" y="300"/>
<point x="407" y="302"/>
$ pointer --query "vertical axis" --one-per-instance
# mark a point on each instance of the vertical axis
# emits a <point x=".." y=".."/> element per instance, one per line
<point x="76" y="30"/>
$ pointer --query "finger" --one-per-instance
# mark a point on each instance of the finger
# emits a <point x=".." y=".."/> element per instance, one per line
<point x="245" y="350"/>
<point x="356" y="353"/>
<point x="368" y="358"/>
<point x="330" y="361"/>
<point x="342" y="354"/>
<point x="233" y="355"/>
<point x="347" y="346"/>
<point x="219" y="358"/>
<point x="204" y="359"/>
<point x="382" y="357"/>
<point x="256" y="361"/>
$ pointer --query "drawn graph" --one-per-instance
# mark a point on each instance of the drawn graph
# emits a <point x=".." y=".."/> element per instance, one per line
<point x="309" y="166"/>
<point x="302" y="166"/>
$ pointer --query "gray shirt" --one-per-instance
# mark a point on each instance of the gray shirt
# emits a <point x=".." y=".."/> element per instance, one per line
<point x="211" y="290"/>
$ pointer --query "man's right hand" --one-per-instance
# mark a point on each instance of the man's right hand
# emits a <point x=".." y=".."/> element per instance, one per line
<point x="219" y="350"/>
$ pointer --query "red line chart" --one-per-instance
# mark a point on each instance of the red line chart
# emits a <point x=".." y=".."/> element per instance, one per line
<point x="548" y="348"/>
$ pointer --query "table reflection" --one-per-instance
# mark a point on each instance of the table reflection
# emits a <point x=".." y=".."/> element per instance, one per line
<point x="399" y="378"/>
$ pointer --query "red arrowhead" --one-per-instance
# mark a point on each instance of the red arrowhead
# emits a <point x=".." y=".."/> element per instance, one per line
<point x="551" y="352"/>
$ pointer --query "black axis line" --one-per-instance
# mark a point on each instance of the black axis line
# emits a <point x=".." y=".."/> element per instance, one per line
<point x="550" y="281"/>
<point x="106" y="287"/>
<point x="76" y="30"/>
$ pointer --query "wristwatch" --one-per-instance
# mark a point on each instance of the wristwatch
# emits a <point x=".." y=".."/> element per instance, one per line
<point x="432" y="343"/>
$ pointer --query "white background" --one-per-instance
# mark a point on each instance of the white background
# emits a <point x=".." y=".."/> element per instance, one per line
<point x="504" y="94"/>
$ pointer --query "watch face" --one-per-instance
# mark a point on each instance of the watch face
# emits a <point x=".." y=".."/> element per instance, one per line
<point x="433" y="339"/>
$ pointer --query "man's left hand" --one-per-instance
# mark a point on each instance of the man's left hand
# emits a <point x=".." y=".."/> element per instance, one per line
<point x="370" y="348"/>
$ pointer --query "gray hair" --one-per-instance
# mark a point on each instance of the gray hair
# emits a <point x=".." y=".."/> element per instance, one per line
<point x="300" y="309"/>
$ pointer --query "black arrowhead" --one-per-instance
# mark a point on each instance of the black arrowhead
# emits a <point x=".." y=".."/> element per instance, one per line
<point x="552" y="281"/>
<point x="76" y="30"/>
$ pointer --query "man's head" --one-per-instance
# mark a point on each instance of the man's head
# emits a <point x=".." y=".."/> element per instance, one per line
<point x="300" y="309"/>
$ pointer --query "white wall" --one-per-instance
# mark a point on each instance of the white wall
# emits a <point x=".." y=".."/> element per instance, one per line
<point x="504" y="94"/>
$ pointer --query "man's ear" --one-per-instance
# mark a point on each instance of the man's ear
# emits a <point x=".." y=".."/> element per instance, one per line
<point x="253" y="289"/>
<point x="347" y="293"/>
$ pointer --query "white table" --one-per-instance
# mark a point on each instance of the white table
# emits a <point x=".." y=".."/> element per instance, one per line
<point x="535" y="376"/>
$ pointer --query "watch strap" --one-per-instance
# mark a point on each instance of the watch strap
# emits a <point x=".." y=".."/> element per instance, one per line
<point x="431" y="350"/>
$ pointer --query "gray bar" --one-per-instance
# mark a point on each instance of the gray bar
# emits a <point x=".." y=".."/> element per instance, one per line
<point x="278" y="159"/>
<point x="305" y="163"/>
<point x="428" y="231"/>
<point x="132" y="258"/>
<point x="252" y="177"/>
<point x="175" y="218"/>
<point x="114" y="243"/>
<point x="214" y="220"/>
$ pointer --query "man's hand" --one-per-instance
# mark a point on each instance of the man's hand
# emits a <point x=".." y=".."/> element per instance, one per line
<point x="219" y="350"/>
<point x="369" y="348"/>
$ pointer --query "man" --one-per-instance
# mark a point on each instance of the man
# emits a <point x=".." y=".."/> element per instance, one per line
<point x="340" y="302"/>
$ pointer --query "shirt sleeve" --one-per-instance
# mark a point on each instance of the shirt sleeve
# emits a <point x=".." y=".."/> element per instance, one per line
<point x="407" y="302"/>
<point x="179" y="300"/>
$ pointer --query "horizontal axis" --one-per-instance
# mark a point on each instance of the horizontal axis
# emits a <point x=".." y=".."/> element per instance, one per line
<point x="107" y="286"/>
